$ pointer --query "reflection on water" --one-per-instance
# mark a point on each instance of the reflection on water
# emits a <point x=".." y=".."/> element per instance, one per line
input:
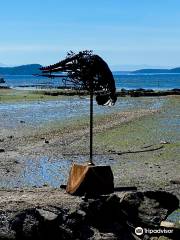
<point x="48" y="171"/>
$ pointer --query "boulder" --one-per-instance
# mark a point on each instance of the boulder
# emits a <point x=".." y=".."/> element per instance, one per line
<point x="148" y="208"/>
<point x="99" y="217"/>
<point x="26" y="224"/>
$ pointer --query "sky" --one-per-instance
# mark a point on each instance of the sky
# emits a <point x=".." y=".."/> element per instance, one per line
<point x="126" y="33"/>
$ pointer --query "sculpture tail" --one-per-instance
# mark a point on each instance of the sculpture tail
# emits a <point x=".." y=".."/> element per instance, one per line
<point x="106" y="99"/>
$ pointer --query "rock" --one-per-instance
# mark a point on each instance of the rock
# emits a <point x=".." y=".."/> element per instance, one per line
<point x="66" y="232"/>
<point x="164" y="142"/>
<point x="105" y="214"/>
<point x="26" y="224"/>
<point x="108" y="236"/>
<point x="100" y="217"/>
<point x="175" y="181"/>
<point x="81" y="213"/>
<point x="148" y="208"/>
<point x="164" y="238"/>
<point x="37" y="224"/>
<point x="47" y="215"/>
<point x="46" y="141"/>
<point x="10" y="137"/>
<point x="167" y="224"/>
<point x="45" y="185"/>
<point x="63" y="186"/>
<point x="5" y="232"/>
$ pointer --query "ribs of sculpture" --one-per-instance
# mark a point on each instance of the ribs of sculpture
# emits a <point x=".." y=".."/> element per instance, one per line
<point x="88" y="72"/>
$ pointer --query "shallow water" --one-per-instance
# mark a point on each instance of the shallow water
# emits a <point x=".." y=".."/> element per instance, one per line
<point x="38" y="113"/>
<point x="46" y="171"/>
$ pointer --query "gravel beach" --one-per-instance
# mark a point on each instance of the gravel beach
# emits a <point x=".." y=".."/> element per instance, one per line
<point x="136" y="143"/>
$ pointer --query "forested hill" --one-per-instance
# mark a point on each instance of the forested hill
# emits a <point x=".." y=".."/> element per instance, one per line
<point x="30" y="69"/>
<point x="21" y="70"/>
<point x="173" y="70"/>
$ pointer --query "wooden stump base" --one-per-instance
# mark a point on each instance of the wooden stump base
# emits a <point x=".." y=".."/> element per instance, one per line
<point x="90" y="179"/>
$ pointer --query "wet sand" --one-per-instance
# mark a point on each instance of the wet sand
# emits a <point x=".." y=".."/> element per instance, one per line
<point x="133" y="142"/>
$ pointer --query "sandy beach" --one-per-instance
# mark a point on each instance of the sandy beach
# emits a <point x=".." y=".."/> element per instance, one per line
<point x="138" y="144"/>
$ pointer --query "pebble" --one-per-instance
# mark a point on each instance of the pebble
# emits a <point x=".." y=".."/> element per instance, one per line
<point x="63" y="186"/>
<point x="175" y="181"/>
<point x="167" y="224"/>
<point x="47" y="215"/>
<point x="11" y="136"/>
<point x="164" y="142"/>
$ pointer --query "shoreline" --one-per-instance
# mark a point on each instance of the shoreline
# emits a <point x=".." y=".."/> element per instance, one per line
<point x="14" y="95"/>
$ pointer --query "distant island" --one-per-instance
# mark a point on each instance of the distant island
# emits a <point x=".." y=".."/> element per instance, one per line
<point x="173" y="70"/>
<point x="28" y="69"/>
<point x="148" y="70"/>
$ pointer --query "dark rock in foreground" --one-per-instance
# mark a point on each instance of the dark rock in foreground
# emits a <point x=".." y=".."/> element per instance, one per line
<point x="101" y="217"/>
<point x="149" y="208"/>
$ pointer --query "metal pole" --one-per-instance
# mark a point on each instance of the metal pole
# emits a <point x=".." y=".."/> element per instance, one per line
<point x="91" y="126"/>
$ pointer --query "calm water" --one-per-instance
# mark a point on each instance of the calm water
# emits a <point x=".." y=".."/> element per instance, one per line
<point x="127" y="81"/>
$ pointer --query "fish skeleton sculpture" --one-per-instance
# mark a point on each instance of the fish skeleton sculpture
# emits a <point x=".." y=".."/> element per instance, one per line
<point x="88" y="72"/>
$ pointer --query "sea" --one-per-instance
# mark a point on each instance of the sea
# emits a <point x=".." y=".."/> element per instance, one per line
<point x="123" y="81"/>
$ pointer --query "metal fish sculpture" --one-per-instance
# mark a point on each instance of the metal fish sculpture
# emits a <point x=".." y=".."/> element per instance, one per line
<point x="89" y="72"/>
